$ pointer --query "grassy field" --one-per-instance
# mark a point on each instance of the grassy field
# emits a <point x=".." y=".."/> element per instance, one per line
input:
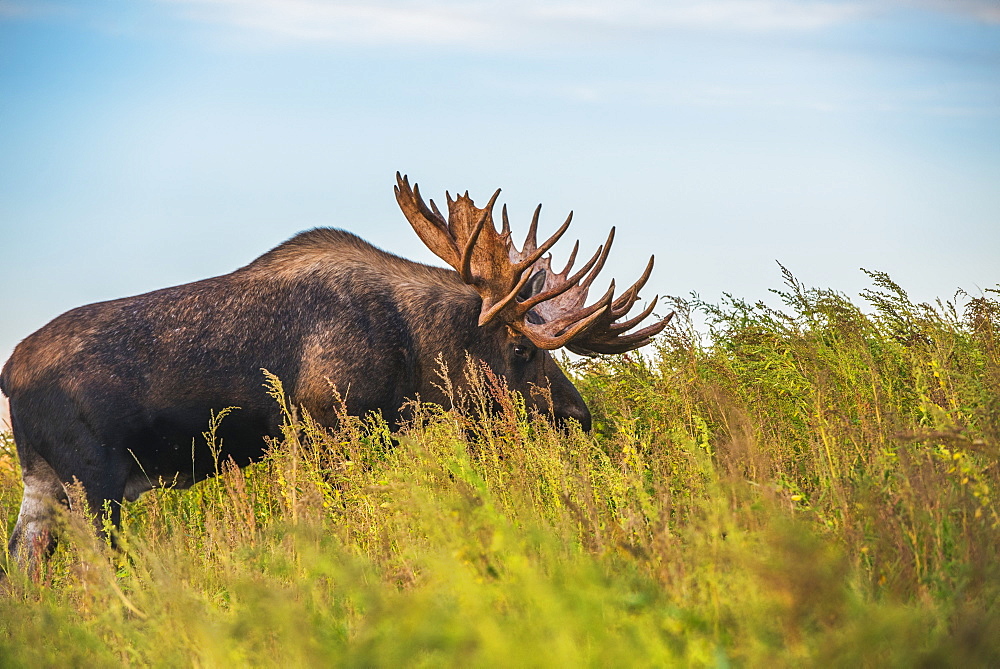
<point x="810" y="486"/>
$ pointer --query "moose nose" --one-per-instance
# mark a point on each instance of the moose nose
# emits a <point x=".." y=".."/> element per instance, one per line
<point x="580" y="414"/>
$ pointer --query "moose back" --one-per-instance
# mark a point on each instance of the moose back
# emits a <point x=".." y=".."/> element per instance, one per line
<point x="111" y="394"/>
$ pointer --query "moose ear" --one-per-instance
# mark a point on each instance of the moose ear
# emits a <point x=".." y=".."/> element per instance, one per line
<point x="533" y="286"/>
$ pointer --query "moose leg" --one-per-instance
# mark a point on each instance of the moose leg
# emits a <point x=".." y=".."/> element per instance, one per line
<point x="100" y="471"/>
<point x="33" y="537"/>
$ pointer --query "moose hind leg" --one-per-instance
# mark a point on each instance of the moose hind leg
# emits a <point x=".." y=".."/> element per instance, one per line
<point x="33" y="537"/>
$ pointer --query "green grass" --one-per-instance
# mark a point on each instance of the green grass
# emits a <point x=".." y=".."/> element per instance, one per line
<point x="810" y="486"/>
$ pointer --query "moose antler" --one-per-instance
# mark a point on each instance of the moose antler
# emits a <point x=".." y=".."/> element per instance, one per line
<point x="519" y="286"/>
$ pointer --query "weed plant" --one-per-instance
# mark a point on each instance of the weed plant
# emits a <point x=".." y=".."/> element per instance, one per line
<point x="807" y="486"/>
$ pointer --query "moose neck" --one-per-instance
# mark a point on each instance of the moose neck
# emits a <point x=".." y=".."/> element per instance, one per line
<point x="443" y="314"/>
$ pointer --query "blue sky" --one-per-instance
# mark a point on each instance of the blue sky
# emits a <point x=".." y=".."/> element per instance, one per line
<point x="145" y="143"/>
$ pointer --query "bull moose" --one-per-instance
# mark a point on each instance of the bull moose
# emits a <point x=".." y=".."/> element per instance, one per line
<point x="111" y="394"/>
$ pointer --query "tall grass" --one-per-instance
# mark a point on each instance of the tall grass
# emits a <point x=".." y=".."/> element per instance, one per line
<point x="814" y="485"/>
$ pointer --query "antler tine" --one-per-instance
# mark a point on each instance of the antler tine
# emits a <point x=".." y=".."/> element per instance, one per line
<point x="604" y="302"/>
<point x="505" y="230"/>
<point x="435" y="209"/>
<point x="625" y="326"/>
<point x="644" y="334"/>
<point x="600" y="265"/>
<point x="572" y="259"/>
<point x="645" y="275"/>
<point x="624" y="303"/>
<point x="432" y="215"/>
<point x="402" y="189"/>
<point x="629" y="297"/>
<point x="549" y="243"/>
<point x="491" y="203"/>
<point x="402" y="183"/>
<point x="531" y="240"/>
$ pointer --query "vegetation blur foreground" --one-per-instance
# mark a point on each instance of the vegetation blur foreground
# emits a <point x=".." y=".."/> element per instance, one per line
<point x="814" y="486"/>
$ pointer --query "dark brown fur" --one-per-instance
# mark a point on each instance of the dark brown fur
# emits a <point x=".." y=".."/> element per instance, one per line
<point x="113" y="393"/>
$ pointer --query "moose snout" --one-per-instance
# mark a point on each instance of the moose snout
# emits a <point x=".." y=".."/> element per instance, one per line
<point x="580" y="413"/>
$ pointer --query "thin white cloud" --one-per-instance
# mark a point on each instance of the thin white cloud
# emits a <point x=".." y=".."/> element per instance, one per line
<point x="504" y="24"/>
<point x="350" y="22"/>
<point x="495" y="23"/>
<point x="739" y="15"/>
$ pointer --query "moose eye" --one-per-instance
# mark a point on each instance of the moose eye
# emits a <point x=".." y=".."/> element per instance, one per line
<point x="521" y="351"/>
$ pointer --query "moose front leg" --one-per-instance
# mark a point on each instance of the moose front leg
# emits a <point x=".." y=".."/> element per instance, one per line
<point x="33" y="537"/>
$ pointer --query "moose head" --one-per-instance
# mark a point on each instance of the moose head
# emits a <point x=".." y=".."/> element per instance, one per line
<point x="529" y="308"/>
